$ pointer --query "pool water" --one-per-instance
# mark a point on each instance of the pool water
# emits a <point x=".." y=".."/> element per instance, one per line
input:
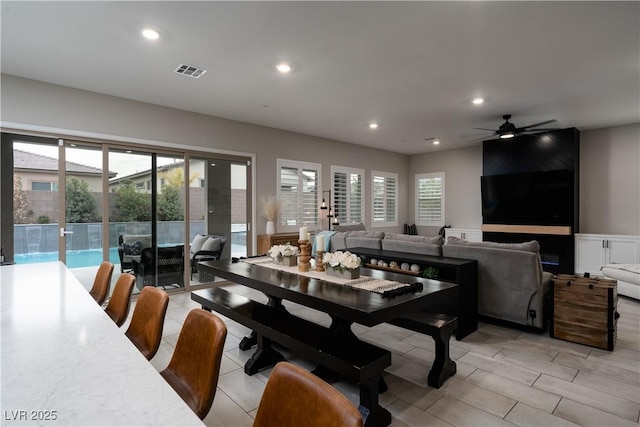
<point x="81" y="258"/>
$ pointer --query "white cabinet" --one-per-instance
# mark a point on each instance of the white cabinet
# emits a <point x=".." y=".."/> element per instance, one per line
<point x="470" y="234"/>
<point x="595" y="250"/>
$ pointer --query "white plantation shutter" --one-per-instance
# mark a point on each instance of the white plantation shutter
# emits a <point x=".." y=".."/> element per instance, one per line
<point x="298" y="193"/>
<point x="430" y="199"/>
<point x="348" y="192"/>
<point x="385" y="199"/>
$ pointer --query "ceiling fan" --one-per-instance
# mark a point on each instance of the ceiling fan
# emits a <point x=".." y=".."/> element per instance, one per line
<point x="509" y="130"/>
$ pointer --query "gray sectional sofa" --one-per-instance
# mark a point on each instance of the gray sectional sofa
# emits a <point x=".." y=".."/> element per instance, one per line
<point x="511" y="283"/>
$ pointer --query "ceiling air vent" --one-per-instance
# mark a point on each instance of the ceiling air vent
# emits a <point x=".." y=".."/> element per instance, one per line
<point x="190" y="71"/>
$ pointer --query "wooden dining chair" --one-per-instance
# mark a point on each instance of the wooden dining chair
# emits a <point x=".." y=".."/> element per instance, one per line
<point x="195" y="365"/>
<point x="145" y="329"/>
<point x="294" y="397"/>
<point x="102" y="282"/>
<point x="118" y="306"/>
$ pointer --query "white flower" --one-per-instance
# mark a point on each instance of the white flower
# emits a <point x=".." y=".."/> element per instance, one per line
<point x="278" y="251"/>
<point x="341" y="260"/>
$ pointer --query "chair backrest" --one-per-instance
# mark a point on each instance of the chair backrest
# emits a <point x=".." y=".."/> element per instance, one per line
<point x="145" y="329"/>
<point x="294" y="397"/>
<point x="101" y="284"/>
<point x="195" y="365"/>
<point x="118" y="307"/>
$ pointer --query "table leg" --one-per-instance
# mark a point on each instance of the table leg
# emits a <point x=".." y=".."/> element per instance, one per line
<point x="249" y="341"/>
<point x="443" y="367"/>
<point x="264" y="357"/>
<point x="373" y="414"/>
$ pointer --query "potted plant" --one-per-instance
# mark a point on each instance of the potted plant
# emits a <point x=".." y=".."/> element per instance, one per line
<point x="270" y="210"/>
<point x="342" y="264"/>
<point x="284" y="254"/>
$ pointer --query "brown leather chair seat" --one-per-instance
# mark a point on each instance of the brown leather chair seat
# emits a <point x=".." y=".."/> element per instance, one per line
<point x="101" y="284"/>
<point x="118" y="307"/>
<point x="294" y="397"/>
<point x="145" y="329"/>
<point x="195" y="365"/>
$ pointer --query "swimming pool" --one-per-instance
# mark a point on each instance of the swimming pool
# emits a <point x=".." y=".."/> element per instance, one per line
<point x="80" y="258"/>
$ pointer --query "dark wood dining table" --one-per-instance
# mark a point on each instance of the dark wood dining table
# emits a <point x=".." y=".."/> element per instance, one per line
<point x="344" y="304"/>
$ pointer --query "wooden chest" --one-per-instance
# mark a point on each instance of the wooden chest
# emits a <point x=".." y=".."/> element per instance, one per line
<point x="584" y="310"/>
<point x="265" y="241"/>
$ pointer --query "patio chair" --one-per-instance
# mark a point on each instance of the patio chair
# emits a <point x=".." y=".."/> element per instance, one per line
<point x="206" y="248"/>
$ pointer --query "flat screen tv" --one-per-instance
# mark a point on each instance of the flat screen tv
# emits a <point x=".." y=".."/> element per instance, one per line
<point x="534" y="198"/>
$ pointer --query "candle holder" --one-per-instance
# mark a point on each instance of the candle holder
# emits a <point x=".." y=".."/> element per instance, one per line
<point x="304" y="257"/>
<point x="319" y="264"/>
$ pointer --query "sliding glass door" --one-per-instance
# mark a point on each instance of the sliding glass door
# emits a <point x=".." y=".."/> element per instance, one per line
<point x="85" y="202"/>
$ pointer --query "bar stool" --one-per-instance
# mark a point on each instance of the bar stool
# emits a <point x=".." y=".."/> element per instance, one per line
<point x="101" y="284"/>
<point x="145" y="329"/>
<point x="195" y="365"/>
<point x="294" y="397"/>
<point x="118" y="307"/>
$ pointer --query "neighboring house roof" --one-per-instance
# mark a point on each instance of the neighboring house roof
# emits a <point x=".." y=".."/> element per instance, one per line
<point x="25" y="160"/>
<point x="145" y="173"/>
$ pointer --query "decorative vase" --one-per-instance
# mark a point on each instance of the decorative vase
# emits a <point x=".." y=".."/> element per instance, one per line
<point x="271" y="228"/>
<point x="287" y="261"/>
<point x="344" y="273"/>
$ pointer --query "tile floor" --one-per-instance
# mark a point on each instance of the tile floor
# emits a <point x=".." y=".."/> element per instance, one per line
<point x="505" y="376"/>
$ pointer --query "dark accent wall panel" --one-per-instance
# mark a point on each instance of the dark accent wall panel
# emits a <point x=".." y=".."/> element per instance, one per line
<point x="542" y="152"/>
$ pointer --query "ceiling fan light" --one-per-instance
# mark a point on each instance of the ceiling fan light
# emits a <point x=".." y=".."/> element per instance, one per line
<point x="507" y="135"/>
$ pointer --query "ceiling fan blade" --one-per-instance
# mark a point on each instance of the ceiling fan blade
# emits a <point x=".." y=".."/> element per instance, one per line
<point x="490" y="130"/>
<point x="483" y="138"/>
<point x="541" y="130"/>
<point x="538" y="124"/>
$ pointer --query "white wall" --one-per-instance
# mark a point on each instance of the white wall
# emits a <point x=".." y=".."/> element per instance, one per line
<point x="610" y="157"/>
<point x="610" y="180"/>
<point x="35" y="103"/>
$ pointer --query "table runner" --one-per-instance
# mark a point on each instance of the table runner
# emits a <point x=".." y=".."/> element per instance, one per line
<point x="383" y="287"/>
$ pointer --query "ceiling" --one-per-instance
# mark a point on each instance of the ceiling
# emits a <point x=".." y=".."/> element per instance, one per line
<point x="412" y="67"/>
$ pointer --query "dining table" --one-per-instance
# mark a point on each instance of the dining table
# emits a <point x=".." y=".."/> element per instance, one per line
<point x="338" y="351"/>
<point x="65" y="363"/>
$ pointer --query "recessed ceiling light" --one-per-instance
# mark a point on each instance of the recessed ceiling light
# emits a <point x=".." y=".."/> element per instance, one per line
<point x="283" y="67"/>
<point x="436" y="142"/>
<point x="477" y="101"/>
<point x="150" y="34"/>
<point x="373" y="125"/>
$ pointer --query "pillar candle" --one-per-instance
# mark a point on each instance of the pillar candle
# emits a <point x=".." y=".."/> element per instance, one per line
<point x="320" y="242"/>
<point x="304" y="233"/>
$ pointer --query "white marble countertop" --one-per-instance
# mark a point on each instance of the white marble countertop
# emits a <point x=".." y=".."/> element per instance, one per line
<point x="64" y="362"/>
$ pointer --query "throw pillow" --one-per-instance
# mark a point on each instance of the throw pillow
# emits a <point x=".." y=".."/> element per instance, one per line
<point x="197" y="243"/>
<point x="212" y="244"/>
<point x="134" y="248"/>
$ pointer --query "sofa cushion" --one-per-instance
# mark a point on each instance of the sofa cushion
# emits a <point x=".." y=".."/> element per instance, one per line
<point x="338" y="241"/>
<point x="532" y="246"/>
<point x="144" y="239"/>
<point x="197" y="243"/>
<point x="350" y="227"/>
<point x="134" y="248"/>
<point x="424" y="245"/>
<point x="212" y="244"/>
<point x="364" y="239"/>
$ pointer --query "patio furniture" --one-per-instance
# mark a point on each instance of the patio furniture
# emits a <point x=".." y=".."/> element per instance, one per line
<point x="170" y="267"/>
<point x="206" y="247"/>
<point x="130" y="247"/>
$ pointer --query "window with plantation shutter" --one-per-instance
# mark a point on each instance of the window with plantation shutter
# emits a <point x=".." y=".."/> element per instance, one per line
<point x="430" y="199"/>
<point x="347" y="187"/>
<point x="384" y="192"/>
<point x="298" y="193"/>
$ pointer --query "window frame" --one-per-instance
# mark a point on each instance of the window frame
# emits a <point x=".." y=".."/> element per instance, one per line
<point x="386" y="222"/>
<point x="344" y="219"/>
<point x="300" y="166"/>
<point x="429" y="223"/>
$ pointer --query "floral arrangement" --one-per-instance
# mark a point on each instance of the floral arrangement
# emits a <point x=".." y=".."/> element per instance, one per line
<point x="270" y="208"/>
<point x="279" y="251"/>
<point x="341" y="260"/>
